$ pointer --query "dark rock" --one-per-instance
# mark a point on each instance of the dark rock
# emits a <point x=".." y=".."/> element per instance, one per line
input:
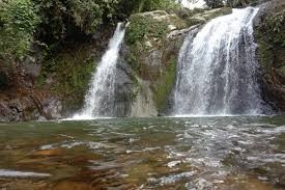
<point x="124" y="89"/>
<point x="52" y="108"/>
<point x="29" y="108"/>
<point x="271" y="52"/>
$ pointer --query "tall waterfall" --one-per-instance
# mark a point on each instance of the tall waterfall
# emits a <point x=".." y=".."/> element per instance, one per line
<point x="100" y="99"/>
<point x="217" y="72"/>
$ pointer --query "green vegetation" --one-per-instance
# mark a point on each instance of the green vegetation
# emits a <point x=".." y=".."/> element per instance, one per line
<point x="163" y="88"/>
<point x="43" y="32"/>
<point x="141" y="26"/>
<point x="271" y="39"/>
<point x="24" y="23"/>
<point x="138" y="6"/>
<point x="137" y="29"/>
<point x="71" y="69"/>
<point x="18" y="23"/>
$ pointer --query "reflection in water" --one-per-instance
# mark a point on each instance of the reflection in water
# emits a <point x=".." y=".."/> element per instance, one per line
<point x="224" y="153"/>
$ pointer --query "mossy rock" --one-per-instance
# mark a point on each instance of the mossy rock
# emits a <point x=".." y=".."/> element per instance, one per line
<point x="163" y="87"/>
<point x="141" y="26"/>
<point x="271" y="41"/>
<point x="68" y="74"/>
<point x="270" y="37"/>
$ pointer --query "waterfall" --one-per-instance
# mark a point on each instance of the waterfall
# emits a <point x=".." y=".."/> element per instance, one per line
<point x="100" y="98"/>
<point x="217" y="68"/>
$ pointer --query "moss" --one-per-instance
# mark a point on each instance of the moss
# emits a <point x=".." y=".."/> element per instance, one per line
<point x="69" y="74"/>
<point x="165" y="83"/>
<point x="185" y="13"/>
<point x="178" y="22"/>
<point x="135" y="59"/>
<point x="270" y="38"/>
<point x="162" y="76"/>
<point x="265" y="53"/>
<point x="141" y="26"/>
<point x="157" y="29"/>
<point x="137" y="29"/>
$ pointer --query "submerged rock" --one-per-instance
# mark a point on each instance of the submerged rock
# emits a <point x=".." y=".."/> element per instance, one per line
<point x="49" y="152"/>
<point x="70" y="185"/>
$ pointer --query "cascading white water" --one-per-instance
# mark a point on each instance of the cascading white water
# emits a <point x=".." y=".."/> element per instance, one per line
<point x="192" y="4"/>
<point x="217" y="72"/>
<point x="100" y="99"/>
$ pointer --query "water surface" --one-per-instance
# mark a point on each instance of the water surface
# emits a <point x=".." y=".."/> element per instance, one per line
<point x="226" y="153"/>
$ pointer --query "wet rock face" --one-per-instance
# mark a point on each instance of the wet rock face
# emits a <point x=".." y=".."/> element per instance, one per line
<point x="146" y="75"/>
<point x="269" y="33"/>
<point x="30" y="108"/>
<point x="20" y="100"/>
<point x="3" y="80"/>
<point x="51" y="108"/>
<point x="124" y="88"/>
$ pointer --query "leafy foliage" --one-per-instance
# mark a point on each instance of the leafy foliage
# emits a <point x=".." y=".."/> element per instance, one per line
<point x="71" y="71"/>
<point x="141" y="26"/>
<point x="18" y="22"/>
<point x="137" y="6"/>
<point x="271" y="39"/>
<point x="52" y="22"/>
<point x="273" y="29"/>
<point x="86" y="14"/>
<point x="137" y="29"/>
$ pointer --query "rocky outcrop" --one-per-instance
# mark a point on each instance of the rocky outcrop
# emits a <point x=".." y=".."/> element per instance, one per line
<point x="150" y="64"/>
<point x="270" y="36"/>
<point x="27" y="108"/>
<point x="125" y="86"/>
<point x="21" y="101"/>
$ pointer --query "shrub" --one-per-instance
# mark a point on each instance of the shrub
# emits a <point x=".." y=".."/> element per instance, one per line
<point x="86" y="14"/>
<point x="137" y="29"/>
<point x="18" y="22"/>
<point x="141" y="26"/>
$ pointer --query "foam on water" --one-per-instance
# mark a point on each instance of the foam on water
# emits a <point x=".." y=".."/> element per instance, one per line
<point x="12" y="173"/>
